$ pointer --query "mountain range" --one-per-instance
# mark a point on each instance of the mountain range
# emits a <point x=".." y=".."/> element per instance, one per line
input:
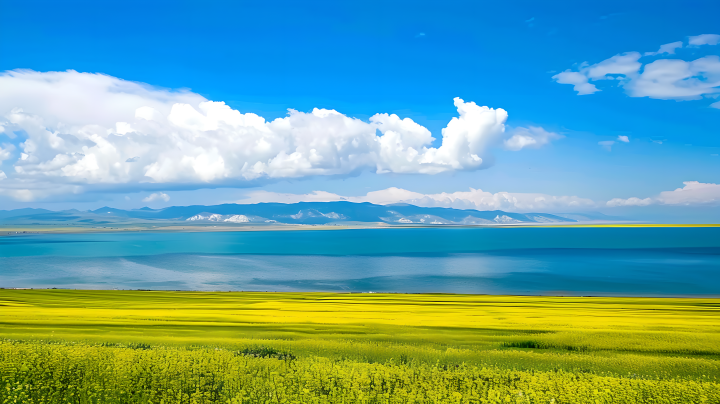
<point x="294" y="213"/>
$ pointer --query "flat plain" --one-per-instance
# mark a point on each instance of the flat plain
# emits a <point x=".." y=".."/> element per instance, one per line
<point x="246" y="347"/>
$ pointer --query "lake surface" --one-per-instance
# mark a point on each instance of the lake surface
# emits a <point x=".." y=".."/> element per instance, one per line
<point x="547" y="261"/>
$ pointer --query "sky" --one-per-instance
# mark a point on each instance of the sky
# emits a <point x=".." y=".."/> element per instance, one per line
<point x="608" y="106"/>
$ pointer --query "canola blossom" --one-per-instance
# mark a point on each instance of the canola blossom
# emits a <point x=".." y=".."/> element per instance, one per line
<point x="187" y="347"/>
<point x="42" y="373"/>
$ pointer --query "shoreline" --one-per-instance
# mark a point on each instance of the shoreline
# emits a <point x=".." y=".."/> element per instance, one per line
<point x="6" y="231"/>
<point x="378" y="294"/>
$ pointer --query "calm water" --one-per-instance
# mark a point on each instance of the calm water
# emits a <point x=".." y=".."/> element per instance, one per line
<point x="580" y="261"/>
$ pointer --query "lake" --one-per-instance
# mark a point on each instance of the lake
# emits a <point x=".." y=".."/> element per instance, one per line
<point x="527" y="261"/>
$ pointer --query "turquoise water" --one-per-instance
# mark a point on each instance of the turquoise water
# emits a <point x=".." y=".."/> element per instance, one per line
<point x="554" y="261"/>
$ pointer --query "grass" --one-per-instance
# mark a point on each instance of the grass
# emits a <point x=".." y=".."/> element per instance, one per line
<point x="150" y="346"/>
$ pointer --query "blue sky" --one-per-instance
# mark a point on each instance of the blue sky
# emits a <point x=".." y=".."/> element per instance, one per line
<point x="406" y="58"/>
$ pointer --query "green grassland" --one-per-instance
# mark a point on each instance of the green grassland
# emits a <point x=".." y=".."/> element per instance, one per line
<point x="198" y="347"/>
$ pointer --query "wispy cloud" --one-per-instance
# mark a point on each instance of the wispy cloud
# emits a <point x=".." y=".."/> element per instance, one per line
<point x="666" y="49"/>
<point x="611" y="15"/>
<point x="579" y="81"/>
<point x="530" y="137"/>
<point x="704" y="39"/>
<point x="607" y="144"/>
<point x="651" y="75"/>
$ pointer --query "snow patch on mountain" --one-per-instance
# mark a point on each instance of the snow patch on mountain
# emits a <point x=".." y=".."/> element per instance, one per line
<point x="505" y="219"/>
<point x="316" y="213"/>
<point x="544" y="219"/>
<point x="237" y="219"/>
<point x="475" y="220"/>
<point x="214" y="217"/>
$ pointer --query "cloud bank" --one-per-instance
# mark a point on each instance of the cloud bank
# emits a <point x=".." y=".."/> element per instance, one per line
<point x="472" y="199"/>
<point x="693" y="193"/>
<point x="70" y="132"/>
<point x="661" y="75"/>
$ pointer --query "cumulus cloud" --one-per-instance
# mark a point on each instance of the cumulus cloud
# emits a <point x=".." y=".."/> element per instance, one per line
<point x="157" y="196"/>
<point x="623" y="139"/>
<point x="693" y="193"/>
<point x="530" y="137"/>
<point x="651" y="75"/>
<point x="93" y="130"/>
<point x="472" y="199"/>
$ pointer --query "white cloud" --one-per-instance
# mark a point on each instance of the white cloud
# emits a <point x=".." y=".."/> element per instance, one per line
<point x="607" y="144"/>
<point x="157" y="196"/>
<point x="693" y="193"/>
<point x="2" y="175"/>
<point x="6" y="152"/>
<point x="473" y="199"/>
<point x="578" y="80"/>
<point x="674" y="79"/>
<point x="97" y="131"/>
<point x="715" y="105"/>
<point x="530" y="137"/>
<point x="704" y="39"/>
<point x="617" y="202"/>
<point x="668" y="48"/>
<point x="624" y="139"/>
<point x="625" y="64"/>
<point x="661" y="78"/>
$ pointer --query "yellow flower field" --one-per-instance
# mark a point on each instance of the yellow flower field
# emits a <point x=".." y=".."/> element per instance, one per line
<point x="183" y="347"/>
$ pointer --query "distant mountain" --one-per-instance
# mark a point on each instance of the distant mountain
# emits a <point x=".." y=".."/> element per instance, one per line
<point x="298" y="213"/>
<point x="21" y="212"/>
